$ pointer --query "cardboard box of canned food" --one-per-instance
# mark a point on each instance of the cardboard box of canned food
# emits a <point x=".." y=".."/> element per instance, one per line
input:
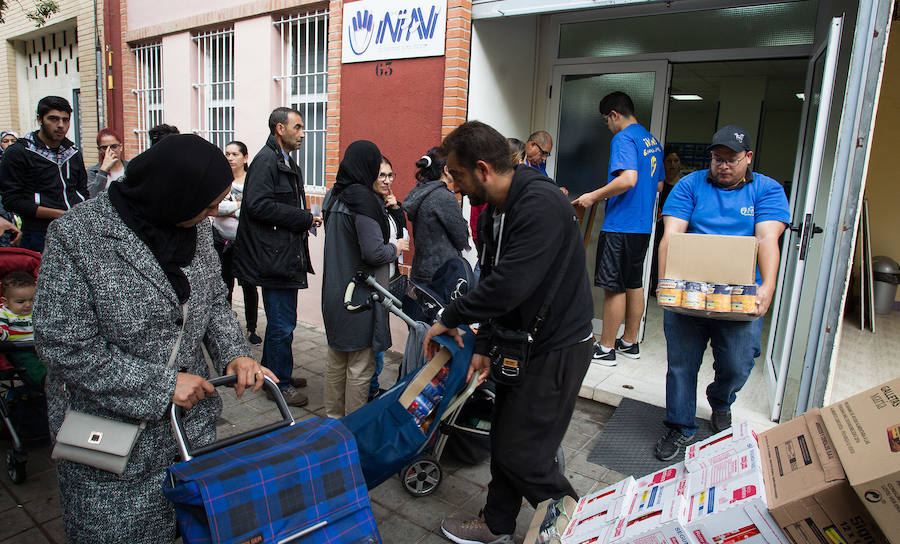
<point x="710" y="276"/>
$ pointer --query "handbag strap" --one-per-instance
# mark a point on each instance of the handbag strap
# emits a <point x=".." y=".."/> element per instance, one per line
<point x="548" y="297"/>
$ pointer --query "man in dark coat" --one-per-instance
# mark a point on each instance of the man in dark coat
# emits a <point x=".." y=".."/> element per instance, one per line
<point x="42" y="175"/>
<point x="271" y="249"/>
<point x="544" y="292"/>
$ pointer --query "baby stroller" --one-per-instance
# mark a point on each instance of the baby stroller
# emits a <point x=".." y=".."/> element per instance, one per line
<point x="388" y="442"/>
<point x="23" y="407"/>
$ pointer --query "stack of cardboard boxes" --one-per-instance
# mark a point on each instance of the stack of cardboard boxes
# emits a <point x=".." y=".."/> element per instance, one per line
<point x="830" y="476"/>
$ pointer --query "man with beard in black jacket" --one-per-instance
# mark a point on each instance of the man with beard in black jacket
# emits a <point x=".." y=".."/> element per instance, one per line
<point x="272" y="244"/>
<point x="532" y="262"/>
<point x="42" y="175"/>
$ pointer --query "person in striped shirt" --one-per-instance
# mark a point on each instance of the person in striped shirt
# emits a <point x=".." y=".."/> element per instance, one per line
<point x="15" y="323"/>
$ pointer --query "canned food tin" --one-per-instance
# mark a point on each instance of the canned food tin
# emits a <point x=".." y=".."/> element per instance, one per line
<point x="743" y="299"/>
<point x="671" y="292"/>
<point x="718" y="299"/>
<point x="694" y="295"/>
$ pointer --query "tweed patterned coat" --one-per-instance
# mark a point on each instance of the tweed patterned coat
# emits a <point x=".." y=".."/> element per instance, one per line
<point x="106" y="320"/>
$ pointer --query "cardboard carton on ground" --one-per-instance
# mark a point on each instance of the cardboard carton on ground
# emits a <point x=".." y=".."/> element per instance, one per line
<point x="667" y="476"/>
<point x="656" y="516"/>
<point x="712" y="258"/>
<point x="807" y="492"/>
<point x="738" y="438"/>
<point x="727" y="468"/>
<point x="732" y="510"/>
<point x="596" y="511"/>
<point x="865" y="430"/>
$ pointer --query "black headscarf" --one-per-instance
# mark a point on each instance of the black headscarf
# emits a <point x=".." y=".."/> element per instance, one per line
<point x="355" y="177"/>
<point x="172" y="182"/>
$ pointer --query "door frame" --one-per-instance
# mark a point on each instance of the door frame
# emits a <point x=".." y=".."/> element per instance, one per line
<point x="778" y="374"/>
<point x="657" y="126"/>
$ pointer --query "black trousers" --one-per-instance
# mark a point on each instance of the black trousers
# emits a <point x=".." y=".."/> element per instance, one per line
<point x="251" y="297"/>
<point x="529" y="423"/>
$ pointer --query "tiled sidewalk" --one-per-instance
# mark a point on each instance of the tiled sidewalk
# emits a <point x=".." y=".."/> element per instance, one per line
<point x="29" y="513"/>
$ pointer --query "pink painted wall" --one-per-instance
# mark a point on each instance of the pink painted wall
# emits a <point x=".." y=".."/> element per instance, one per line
<point x="142" y="14"/>
<point x="255" y="96"/>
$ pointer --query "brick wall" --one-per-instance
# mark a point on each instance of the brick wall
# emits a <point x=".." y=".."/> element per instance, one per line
<point x="332" y="138"/>
<point x="456" y="66"/>
<point x="77" y="13"/>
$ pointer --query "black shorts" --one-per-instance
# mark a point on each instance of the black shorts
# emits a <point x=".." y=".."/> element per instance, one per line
<point x="620" y="260"/>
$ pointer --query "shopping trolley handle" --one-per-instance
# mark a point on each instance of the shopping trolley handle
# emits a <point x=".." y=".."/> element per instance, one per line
<point x="188" y="452"/>
<point x="359" y="277"/>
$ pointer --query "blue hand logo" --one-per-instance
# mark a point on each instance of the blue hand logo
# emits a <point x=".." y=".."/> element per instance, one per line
<point x="359" y="32"/>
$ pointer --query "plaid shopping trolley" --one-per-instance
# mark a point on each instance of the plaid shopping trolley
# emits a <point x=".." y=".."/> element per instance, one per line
<point x="288" y="482"/>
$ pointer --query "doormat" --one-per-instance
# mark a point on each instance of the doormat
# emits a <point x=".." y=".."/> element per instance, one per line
<point x="627" y="442"/>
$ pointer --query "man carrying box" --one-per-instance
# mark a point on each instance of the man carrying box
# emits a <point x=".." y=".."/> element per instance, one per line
<point x="727" y="199"/>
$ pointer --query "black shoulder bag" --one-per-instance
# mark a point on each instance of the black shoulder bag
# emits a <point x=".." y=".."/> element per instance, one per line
<point x="510" y="350"/>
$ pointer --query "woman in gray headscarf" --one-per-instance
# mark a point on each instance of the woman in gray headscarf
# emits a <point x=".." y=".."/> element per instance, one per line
<point x="115" y="277"/>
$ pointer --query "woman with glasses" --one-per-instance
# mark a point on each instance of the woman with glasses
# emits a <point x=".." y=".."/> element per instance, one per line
<point x="439" y="230"/>
<point x="7" y="138"/>
<point x="112" y="162"/>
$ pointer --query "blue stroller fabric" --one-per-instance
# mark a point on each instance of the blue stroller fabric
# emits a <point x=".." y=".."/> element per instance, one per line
<point x="301" y="483"/>
<point x="387" y="435"/>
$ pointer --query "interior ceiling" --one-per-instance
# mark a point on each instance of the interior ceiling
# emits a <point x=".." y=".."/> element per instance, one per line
<point x="784" y="79"/>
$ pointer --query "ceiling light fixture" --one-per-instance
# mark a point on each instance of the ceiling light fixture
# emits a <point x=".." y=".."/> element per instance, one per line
<point x="686" y="97"/>
<point x="801" y="96"/>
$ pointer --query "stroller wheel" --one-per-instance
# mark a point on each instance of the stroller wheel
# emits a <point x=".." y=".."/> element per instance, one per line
<point x="422" y="476"/>
<point x="15" y="467"/>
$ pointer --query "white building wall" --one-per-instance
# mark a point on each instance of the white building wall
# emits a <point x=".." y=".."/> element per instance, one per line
<point x="256" y="62"/>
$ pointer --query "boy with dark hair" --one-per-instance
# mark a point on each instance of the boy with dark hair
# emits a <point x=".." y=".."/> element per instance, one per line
<point x="42" y="175"/>
<point x="635" y="170"/>
<point x="15" y="323"/>
<point x="159" y="132"/>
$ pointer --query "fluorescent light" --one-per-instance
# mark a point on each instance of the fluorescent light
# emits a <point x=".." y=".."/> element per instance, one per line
<point x="689" y="97"/>
<point x="800" y="96"/>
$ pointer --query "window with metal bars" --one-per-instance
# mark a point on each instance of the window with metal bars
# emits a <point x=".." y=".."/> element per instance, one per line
<point x="215" y="85"/>
<point x="149" y="90"/>
<point x="303" y="81"/>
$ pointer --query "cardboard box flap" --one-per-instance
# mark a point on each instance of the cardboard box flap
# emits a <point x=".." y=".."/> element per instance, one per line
<point x="425" y="375"/>
<point x="712" y="258"/>
<point x="831" y="464"/>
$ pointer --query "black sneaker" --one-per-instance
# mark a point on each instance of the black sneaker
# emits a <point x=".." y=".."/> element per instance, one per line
<point x="671" y="445"/>
<point x="720" y="421"/>
<point x="254" y="338"/>
<point x="632" y="351"/>
<point x="605" y="358"/>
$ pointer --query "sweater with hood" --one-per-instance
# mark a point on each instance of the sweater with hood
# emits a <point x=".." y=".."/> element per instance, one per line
<point x="439" y="230"/>
<point x="32" y="175"/>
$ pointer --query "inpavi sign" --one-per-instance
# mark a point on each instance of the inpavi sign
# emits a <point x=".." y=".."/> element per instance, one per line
<point x="393" y="29"/>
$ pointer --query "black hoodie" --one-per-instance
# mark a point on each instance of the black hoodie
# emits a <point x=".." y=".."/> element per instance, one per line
<point x="539" y="227"/>
<point x="32" y="175"/>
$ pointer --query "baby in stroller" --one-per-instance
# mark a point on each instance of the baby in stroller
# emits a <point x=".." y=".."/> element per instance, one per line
<point x="23" y="407"/>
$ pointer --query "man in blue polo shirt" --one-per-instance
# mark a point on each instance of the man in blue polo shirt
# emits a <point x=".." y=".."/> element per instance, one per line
<point x="635" y="170"/>
<point x="726" y="199"/>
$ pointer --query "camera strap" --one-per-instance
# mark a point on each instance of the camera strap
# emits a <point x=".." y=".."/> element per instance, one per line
<point x="548" y="298"/>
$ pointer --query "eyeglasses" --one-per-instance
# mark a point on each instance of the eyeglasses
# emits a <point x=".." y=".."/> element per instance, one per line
<point x="385" y="177"/>
<point x="114" y="147"/>
<point x="544" y="154"/>
<point x="715" y="159"/>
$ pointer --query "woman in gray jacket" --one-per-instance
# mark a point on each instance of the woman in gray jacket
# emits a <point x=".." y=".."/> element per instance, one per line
<point x="115" y="277"/>
<point x="356" y="238"/>
<point x="439" y="230"/>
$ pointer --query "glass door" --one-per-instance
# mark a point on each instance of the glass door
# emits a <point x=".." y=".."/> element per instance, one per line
<point x="802" y="245"/>
<point x="581" y="153"/>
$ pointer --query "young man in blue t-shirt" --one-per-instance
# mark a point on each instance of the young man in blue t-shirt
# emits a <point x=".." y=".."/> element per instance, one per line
<point x="726" y="199"/>
<point x="635" y="170"/>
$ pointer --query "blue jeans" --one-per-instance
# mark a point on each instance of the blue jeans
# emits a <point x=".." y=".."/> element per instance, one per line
<point x="379" y="366"/>
<point x="281" y="319"/>
<point x="734" y="343"/>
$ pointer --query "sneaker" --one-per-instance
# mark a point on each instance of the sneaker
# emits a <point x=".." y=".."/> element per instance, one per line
<point x="472" y="531"/>
<point x="671" y="445"/>
<point x="632" y="351"/>
<point x="298" y="382"/>
<point x="603" y="358"/>
<point x="291" y="396"/>
<point x="254" y="338"/>
<point x="720" y="421"/>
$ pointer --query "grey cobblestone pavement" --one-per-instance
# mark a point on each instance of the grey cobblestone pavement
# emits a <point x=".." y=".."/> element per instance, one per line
<point x="30" y="514"/>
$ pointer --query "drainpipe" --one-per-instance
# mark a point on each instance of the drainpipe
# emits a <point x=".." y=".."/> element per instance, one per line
<point x="98" y="62"/>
